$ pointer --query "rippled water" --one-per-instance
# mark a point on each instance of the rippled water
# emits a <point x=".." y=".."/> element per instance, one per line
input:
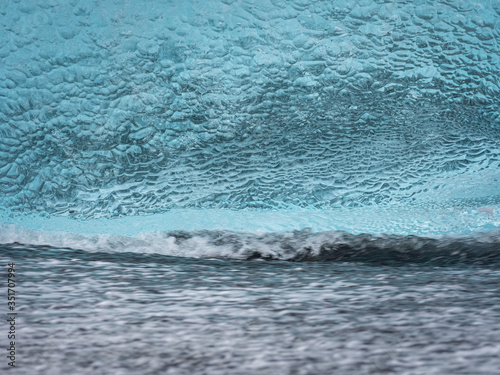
<point x="93" y="312"/>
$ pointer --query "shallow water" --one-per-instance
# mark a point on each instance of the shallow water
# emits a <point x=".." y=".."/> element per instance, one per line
<point x="91" y="312"/>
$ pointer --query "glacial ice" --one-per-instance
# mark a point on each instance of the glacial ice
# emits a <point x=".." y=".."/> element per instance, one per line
<point x="118" y="108"/>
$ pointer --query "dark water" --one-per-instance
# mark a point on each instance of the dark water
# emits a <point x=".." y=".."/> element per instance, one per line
<point x="85" y="312"/>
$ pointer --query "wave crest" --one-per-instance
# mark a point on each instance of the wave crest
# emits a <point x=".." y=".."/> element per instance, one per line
<point x="295" y="246"/>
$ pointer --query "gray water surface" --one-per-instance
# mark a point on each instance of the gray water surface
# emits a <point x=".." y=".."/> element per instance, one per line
<point x="99" y="313"/>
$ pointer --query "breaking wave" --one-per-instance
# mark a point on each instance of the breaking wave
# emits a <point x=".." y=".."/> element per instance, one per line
<point x="295" y="246"/>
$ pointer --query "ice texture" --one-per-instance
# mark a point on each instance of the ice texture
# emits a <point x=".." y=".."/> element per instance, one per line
<point x="117" y="108"/>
